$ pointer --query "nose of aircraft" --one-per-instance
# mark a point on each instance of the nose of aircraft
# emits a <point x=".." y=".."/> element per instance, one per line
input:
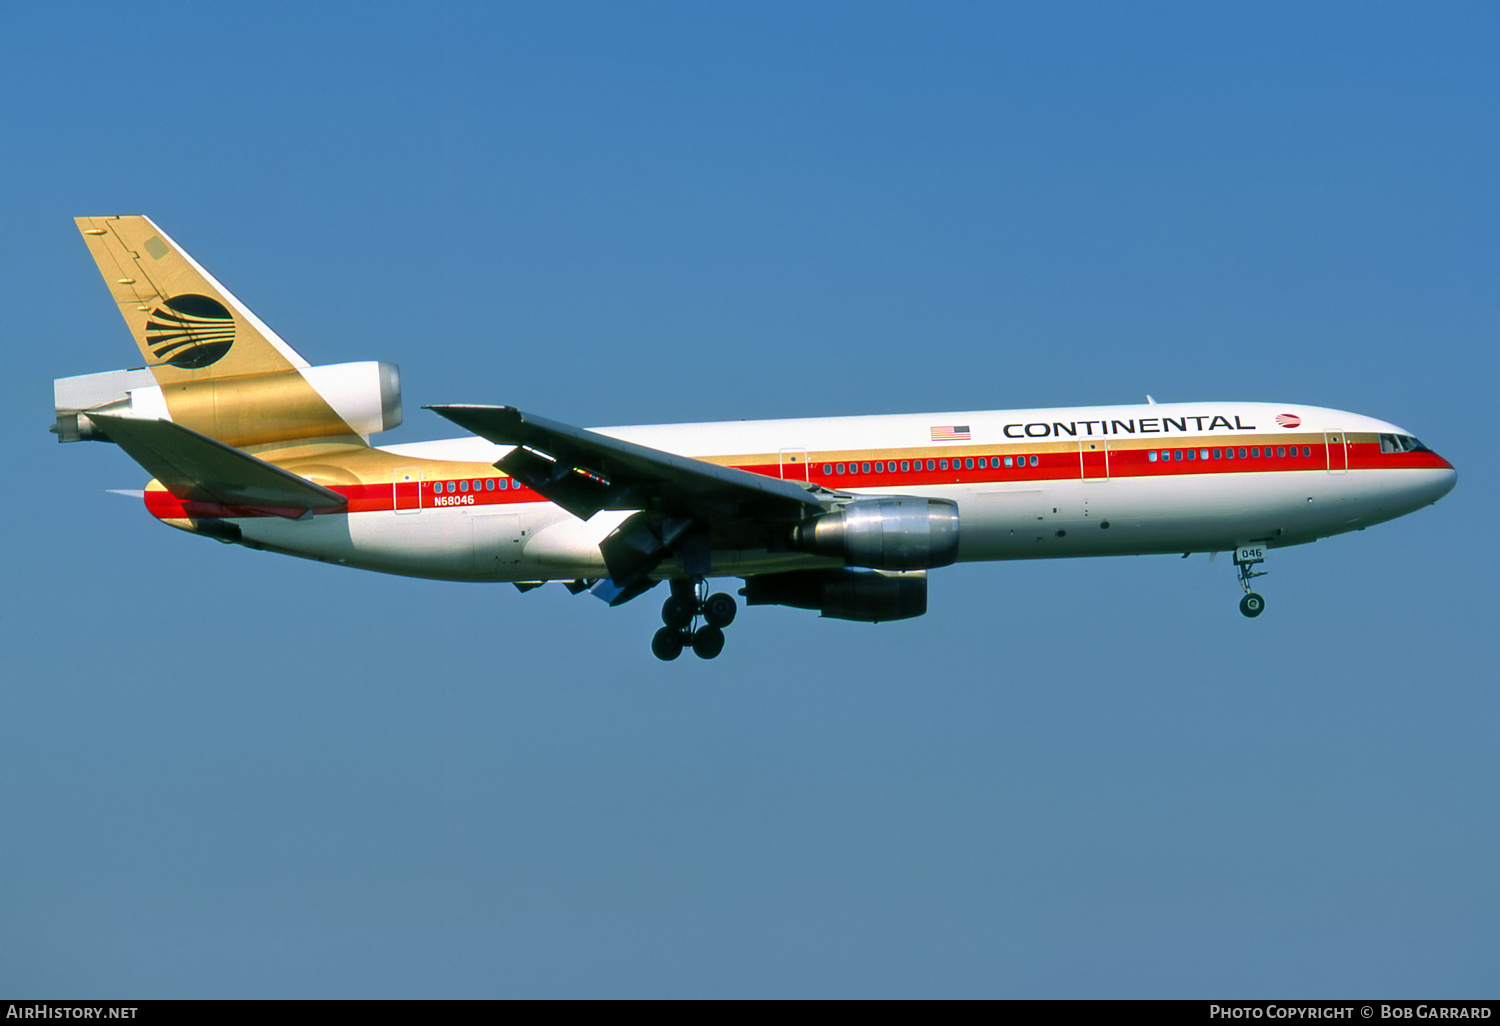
<point x="1443" y="480"/>
<point x="1437" y="478"/>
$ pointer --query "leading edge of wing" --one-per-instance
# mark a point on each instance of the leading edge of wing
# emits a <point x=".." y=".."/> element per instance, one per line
<point x="195" y="467"/>
<point x="589" y="471"/>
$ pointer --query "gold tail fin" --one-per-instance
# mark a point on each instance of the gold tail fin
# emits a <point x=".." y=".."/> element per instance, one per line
<point x="221" y="370"/>
<point x="186" y="324"/>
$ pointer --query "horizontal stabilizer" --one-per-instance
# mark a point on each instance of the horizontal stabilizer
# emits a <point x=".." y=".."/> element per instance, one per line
<point x="196" y="468"/>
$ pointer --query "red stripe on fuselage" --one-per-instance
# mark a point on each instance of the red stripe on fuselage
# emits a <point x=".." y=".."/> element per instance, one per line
<point x="1051" y="466"/>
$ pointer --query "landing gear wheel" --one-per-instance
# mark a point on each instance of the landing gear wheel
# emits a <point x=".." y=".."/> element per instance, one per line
<point x="1252" y="604"/>
<point x="708" y="642"/>
<point x="666" y="645"/>
<point x="677" y="612"/>
<point x="719" y="610"/>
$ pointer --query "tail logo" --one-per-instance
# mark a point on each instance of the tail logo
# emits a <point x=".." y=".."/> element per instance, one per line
<point x="190" y="331"/>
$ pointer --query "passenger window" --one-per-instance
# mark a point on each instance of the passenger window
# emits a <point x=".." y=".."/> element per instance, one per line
<point x="942" y="464"/>
<point x="929" y="465"/>
<point x="1177" y="455"/>
<point x="827" y="469"/>
<point x="865" y="468"/>
<point x="463" y="486"/>
<point x="969" y="463"/>
<point x="905" y="466"/>
<point x="1217" y="453"/>
<point x="1242" y="454"/>
<point x="1306" y="450"/>
<point x="452" y="487"/>
<point x="1255" y="452"/>
<point x="1010" y="461"/>
<point x="1151" y="455"/>
<point x="1203" y="454"/>
<point x="1035" y="460"/>
<point x="880" y="468"/>
<point x="489" y="484"/>
<point x="1192" y="454"/>
<point x="1281" y="451"/>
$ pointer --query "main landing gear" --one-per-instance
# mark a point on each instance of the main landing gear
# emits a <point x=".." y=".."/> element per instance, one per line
<point x="690" y="601"/>
<point x="1246" y="557"/>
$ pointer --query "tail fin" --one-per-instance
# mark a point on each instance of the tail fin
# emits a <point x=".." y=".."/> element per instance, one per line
<point x="218" y="369"/>
<point x="187" y="326"/>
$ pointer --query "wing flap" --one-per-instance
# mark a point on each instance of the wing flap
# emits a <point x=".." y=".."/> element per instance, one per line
<point x="197" y="468"/>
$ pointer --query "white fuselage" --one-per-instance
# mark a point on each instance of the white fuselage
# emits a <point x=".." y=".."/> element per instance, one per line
<point x="1028" y="483"/>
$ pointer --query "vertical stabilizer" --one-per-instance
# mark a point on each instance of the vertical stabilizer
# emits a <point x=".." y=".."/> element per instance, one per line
<point x="221" y="371"/>
<point x="185" y="323"/>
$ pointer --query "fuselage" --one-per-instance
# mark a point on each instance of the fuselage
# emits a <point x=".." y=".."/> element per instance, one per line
<point x="1029" y="484"/>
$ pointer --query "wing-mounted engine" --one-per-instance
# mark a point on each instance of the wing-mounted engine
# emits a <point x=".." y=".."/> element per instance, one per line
<point x="245" y="409"/>
<point x="893" y="532"/>
<point x="869" y="596"/>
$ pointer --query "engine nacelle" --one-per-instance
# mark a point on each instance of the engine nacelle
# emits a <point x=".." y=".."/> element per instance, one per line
<point x="894" y="532"/>
<point x="247" y="409"/>
<point x="868" y="596"/>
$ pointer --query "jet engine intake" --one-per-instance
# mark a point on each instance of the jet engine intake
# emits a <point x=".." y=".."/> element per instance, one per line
<point x="894" y="532"/>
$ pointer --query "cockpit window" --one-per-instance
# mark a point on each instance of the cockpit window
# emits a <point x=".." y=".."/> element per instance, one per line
<point x="1401" y="443"/>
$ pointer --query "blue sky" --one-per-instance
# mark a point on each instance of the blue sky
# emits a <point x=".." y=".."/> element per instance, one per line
<point x="233" y="774"/>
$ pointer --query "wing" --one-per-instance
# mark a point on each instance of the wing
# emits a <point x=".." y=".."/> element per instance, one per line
<point x="198" y="468"/>
<point x="583" y="471"/>
<point x="687" y="505"/>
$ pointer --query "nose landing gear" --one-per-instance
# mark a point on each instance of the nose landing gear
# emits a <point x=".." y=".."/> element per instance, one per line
<point x="688" y="602"/>
<point x="1246" y="557"/>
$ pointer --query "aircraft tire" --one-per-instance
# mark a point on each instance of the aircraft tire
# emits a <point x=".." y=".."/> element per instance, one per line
<point x="719" y="610"/>
<point x="1252" y="605"/>
<point x="666" y="644"/>
<point x="677" y="612"/>
<point x="708" y="642"/>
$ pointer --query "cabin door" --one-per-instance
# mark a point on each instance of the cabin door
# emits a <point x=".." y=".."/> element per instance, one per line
<point x="794" y="465"/>
<point x="1093" y="459"/>
<point x="406" y="489"/>
<point x="1338" y="451"/>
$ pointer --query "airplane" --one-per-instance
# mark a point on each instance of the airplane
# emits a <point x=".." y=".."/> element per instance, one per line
<point x="248" y="444"/>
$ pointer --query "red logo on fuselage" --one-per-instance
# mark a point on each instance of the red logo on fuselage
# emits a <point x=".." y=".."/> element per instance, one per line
<point x="1288" y="420"/>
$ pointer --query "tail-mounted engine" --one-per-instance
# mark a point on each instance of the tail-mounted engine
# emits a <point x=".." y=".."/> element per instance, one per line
<point x="247" y="409"/>
<point x="895" y="532"/>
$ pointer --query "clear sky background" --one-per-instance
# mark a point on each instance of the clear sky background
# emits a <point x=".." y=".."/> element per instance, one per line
<point x="225" y="773"/>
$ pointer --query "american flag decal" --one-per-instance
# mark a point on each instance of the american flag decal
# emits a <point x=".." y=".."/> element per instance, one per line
<point x="953" y="433"/>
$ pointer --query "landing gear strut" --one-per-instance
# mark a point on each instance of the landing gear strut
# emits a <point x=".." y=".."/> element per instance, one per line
<point x="1245" y="559"/>
<point x="688" y="602"/>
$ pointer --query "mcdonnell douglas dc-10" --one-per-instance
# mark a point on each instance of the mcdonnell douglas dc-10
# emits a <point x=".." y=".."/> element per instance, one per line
<point x="248" y="444"/>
